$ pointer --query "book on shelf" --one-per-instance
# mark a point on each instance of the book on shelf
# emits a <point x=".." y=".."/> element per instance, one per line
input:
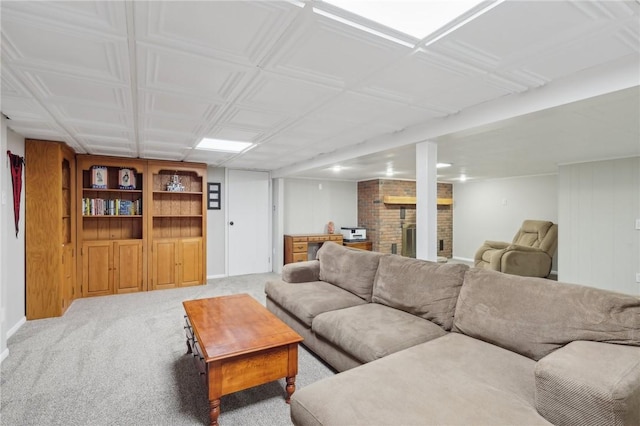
<point x="111" y="207"/>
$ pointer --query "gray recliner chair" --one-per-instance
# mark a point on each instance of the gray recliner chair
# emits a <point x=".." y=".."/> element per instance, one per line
<point x="529" y="254"/>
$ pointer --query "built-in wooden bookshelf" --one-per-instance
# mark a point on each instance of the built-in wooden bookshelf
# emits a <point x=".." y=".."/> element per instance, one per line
<point x="177" y="224"/>
<point x="111" y="228"/>
<point x="50" y="228"/>
<point x="98" y="225"/>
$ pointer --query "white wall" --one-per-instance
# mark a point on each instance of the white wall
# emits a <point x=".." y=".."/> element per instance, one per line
<point x="216" y="228"/>
<point x="305" y="206"/>
<point x="310" y="204"/>
<point x="599" y="205"/>
<point x="4" y="352"/>
<point x="495" y="209"/>
<point x="12" y="264"/>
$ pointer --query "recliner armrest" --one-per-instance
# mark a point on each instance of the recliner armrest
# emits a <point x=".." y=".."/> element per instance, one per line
<point x="517" y="247"/>
<point x="496" y="244"/>
<point x="589" y="383"/>
<point x="301" y="272"/>
<point x="495" y="247"/>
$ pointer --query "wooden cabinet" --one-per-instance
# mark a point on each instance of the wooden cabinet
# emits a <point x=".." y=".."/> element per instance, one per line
<point x="50" y="228"/>
<point x="112" y="267"/>
<point x="297" y="247"/>
<point x="176" y="263"/>
<point x="92" y="220"/>
<point x="177" y="224"/>
<point x="111" y="225"/>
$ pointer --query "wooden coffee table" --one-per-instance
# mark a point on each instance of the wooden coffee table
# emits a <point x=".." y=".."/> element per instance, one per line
<point x="237" y="344"/>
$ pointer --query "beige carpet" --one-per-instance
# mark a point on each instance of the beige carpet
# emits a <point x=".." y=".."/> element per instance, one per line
<point x="120" y="360"/>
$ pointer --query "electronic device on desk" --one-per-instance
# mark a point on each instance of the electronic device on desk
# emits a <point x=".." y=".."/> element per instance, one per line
<point x="353" y="234"/>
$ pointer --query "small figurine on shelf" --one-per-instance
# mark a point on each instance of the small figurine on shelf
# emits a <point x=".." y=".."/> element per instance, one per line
<point x="174" y="185"/>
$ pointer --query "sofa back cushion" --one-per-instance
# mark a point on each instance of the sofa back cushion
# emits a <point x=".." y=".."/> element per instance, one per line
<point x="535" y="316"/>
<point x="350" y="269"/>
<point x="425" y="289"/>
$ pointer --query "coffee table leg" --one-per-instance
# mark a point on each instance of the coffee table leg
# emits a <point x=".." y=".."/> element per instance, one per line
<point x="291" y="387"/>
<point x="214" y="412"/>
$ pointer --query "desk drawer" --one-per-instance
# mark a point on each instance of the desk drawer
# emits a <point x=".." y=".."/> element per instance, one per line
<point x="318" y="239"/>
<point x="336" y="238"/>
<point x="300" y="257"/>
<point x="300" y="247"/>
<point x="299" y="239"/>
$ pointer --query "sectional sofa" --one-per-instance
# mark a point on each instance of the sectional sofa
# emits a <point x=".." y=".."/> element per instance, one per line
<point x="421" y="343"/>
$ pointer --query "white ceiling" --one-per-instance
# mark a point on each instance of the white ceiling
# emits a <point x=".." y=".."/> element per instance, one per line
<point x="520" y="89"/>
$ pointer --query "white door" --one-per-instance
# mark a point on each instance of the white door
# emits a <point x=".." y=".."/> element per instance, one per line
<point x="248" y="220"/>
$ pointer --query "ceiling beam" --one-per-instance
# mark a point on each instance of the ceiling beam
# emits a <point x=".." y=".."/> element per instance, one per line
<point x="612" y="77"/>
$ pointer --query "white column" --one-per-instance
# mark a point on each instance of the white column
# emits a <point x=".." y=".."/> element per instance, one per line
<point x="278" y="225"/>
<point x="426" y="201"/>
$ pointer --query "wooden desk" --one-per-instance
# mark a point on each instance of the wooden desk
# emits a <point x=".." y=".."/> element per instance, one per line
<point x="362" y="245"/>
<point x="237" y="344"/>
<point x="296" y="247"/>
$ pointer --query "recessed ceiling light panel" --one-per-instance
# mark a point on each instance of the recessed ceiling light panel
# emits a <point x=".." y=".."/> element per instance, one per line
<point x="415" y="18"/>
<point x="223" y="145"/>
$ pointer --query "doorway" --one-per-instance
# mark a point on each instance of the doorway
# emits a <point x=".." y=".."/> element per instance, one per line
<point x="248" y="222"/>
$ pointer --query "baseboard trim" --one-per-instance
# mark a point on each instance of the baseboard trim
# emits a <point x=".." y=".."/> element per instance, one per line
<point x="15" y="328"/>
<point x="212" y="277"/>
<point x="462" y="259"/>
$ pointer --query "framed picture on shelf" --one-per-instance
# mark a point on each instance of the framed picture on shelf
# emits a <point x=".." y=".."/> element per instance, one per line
<point x="213" y="196"/>
<point x="99" y="177"/>
<point x="126" y="178"/>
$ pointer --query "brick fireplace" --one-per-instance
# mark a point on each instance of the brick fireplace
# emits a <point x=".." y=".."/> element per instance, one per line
<point x="384" y="221"/>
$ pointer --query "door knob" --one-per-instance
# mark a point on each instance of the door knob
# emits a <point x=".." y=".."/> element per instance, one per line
<point x="231" y="223"/>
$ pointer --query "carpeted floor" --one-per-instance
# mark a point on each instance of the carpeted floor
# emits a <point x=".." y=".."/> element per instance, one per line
<point x="120" y="360"/>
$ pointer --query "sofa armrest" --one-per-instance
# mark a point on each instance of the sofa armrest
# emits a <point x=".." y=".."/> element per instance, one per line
<point x="301" y="272"/>
<point x="589" y="383"/>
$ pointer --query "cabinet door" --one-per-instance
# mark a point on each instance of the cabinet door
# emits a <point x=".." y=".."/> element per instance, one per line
<point x="165" y="264"/>
<point x="191" y="262"/>
<point x="127" y="266"/>
<point x="97" y="268"/>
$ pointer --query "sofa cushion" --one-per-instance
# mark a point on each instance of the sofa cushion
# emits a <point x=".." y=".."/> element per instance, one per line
<point x="452" y="380"/>
<point x="426" y="289"/>
<point x="306" y="300"/>
<point x="535" y="316"/>
<point x="351" y="269"/>
<point x="372" y="331"/>
<point x="589" y="383"/>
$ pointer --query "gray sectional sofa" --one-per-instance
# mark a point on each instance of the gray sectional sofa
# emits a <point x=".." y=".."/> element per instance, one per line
<point x="421" y="343"/>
